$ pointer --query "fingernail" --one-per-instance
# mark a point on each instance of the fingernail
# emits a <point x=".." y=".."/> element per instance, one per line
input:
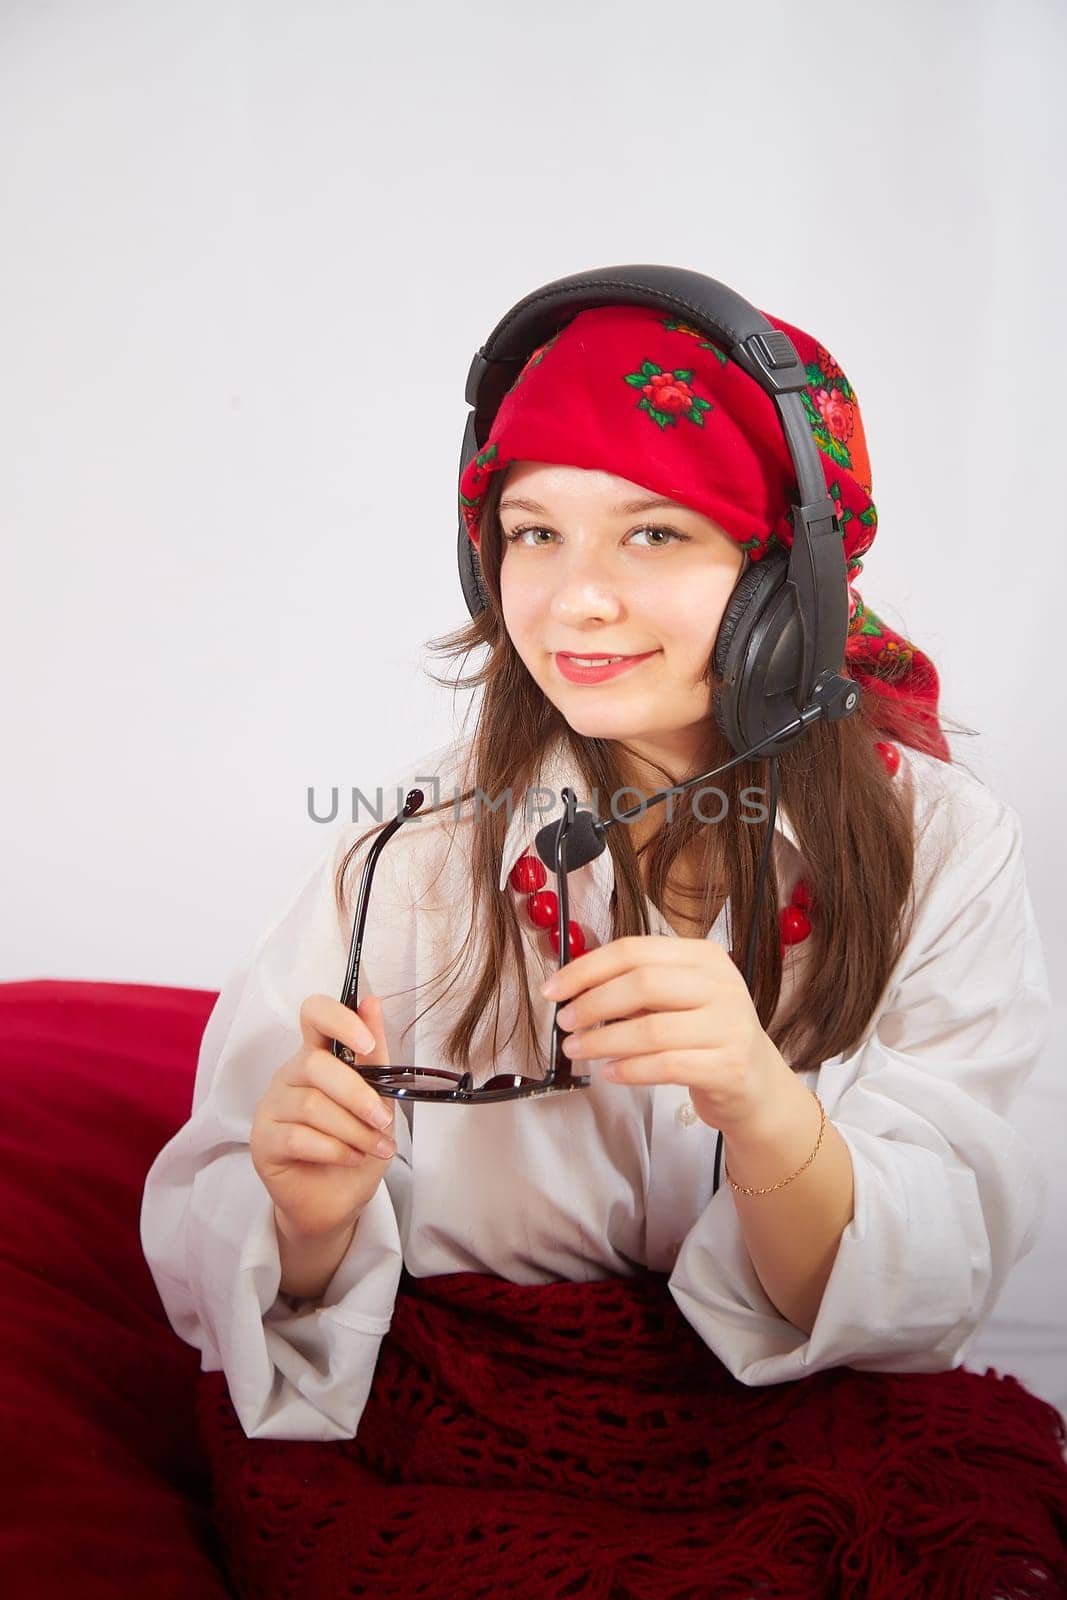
<point x="384" y="1148"/>
<point x="382" y="1117"/>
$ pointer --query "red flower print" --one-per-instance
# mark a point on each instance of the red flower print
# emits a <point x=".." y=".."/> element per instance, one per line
<point x="827" y="362"/>
<point x="667" y="396"/>
<point x="838" y="414"/>
<point x="670" y="394"/>
<point x="868" y="523"/>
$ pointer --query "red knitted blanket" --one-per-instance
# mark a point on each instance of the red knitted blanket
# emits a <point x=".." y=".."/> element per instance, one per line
<point x="579" y="1440"/>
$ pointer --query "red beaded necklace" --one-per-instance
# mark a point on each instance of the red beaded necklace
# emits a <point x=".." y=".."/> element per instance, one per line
<point x="529" y="875"/>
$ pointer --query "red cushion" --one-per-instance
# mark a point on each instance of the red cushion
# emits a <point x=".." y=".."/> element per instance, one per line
<point x="101" y="1478"/>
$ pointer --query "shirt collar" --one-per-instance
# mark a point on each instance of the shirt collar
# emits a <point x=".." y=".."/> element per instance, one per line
<point x="557" y="772"/>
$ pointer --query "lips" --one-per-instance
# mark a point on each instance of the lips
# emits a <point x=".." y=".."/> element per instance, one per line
<point x="601" y="655"/>
<point x="576" y="670"/>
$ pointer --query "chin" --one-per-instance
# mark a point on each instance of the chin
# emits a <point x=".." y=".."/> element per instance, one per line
<point x="598" y="724"/>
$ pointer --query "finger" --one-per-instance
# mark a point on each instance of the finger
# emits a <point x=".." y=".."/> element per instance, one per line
<point x="651" y="1032"/>
<point x="321" y="1071"/>
<point x="306" y="1105"/>
<point x="370" y="1013"/>
<point x="296" y="1141"/>
<point x="323" y="1020"/>
<point x="668" y="1066"/>
<point x="370" y="1010"/>
<point x="627" y="955"/>
<point x="649" y="988"/>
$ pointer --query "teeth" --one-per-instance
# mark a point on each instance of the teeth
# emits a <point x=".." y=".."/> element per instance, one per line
<point x="596" y="661"/>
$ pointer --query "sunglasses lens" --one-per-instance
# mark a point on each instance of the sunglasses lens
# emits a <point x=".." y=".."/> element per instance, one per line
<point x="417" y="1080"/>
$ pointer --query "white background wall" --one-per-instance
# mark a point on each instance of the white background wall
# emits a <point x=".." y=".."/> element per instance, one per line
<point x="247" y="250"/>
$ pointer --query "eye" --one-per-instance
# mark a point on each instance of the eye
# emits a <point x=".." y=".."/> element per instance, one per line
<point x="517" y="533"/>
<point x="656" y="528"/>
<point x="671" y="533"/>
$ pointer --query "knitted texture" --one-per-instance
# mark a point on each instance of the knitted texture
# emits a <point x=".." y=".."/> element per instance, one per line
<point x="580" y="1440"/>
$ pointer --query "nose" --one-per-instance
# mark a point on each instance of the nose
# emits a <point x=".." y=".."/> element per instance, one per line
<point x="583" y="592"/>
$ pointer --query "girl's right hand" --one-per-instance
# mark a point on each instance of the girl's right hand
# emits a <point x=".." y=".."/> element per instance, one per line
<point x="314" y="1137"/>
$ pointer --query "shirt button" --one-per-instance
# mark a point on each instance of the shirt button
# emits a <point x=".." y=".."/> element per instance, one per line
<point x="686" y="1114"/>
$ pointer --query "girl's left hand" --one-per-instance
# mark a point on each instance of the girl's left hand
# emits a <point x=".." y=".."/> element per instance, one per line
<point x="673" y="1011"/>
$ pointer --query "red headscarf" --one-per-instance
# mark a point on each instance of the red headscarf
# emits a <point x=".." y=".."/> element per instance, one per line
<point x="641" y="394"/>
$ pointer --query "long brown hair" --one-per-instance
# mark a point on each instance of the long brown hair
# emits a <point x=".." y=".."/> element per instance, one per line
<point x="853" y="825"/>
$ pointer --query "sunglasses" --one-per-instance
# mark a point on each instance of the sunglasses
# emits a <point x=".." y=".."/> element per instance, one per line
<point x="436" y="1083"/>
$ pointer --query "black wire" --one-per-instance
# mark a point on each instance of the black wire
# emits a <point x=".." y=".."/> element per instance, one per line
<point x="750" y="955"/>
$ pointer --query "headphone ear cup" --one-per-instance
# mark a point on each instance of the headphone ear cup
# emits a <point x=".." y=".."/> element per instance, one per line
<point x="479" y="581"/>
<point x="719" y="709"/>
<point x="470" y="573"/>
<point x="751" y="596"/>
<point x="747" y="585"/>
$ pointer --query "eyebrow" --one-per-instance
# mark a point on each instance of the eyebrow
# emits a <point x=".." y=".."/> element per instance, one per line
<point x="628" y="508"/>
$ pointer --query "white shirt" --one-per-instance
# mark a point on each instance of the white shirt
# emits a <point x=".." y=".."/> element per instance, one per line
<point x="948" y="1196"/>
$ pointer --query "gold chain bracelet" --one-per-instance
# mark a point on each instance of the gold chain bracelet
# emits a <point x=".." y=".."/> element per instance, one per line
<point x="822" y="1128"/>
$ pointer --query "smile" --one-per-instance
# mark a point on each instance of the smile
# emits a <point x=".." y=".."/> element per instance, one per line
<point x="596" y="669"/>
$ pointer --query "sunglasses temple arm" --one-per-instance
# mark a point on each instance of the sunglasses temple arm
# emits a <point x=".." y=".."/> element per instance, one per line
<point x="350" y="986"/>
<point x="560" y="1067"/>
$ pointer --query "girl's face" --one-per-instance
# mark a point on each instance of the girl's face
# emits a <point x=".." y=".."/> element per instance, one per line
<point x="590" y="567"/>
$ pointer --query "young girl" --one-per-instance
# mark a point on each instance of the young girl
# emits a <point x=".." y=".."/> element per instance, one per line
<point x="877" y="1197"/>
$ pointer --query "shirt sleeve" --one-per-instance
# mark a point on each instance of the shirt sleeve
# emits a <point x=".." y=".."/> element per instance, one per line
<point x="948" y="1195"/>
<point x="295" y="1370"/>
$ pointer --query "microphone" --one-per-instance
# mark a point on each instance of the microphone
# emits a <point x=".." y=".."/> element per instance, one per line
<point x="585" y="841"/>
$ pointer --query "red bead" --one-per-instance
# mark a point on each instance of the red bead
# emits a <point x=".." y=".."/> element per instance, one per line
<point x="575" y="940"/>
<point x="528" y="875"/>
<point x="801" y="895"/>
<point x="890" y="755"/>
<point x="793" y="925"/>
<point x="543" y="908"/>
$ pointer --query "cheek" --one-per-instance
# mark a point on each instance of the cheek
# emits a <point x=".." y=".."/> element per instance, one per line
<point x="691" y="614"/>
<point x="520" y="604"/>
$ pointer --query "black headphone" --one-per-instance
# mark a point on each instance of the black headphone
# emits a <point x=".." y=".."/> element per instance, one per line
<point x="782" y="638"/>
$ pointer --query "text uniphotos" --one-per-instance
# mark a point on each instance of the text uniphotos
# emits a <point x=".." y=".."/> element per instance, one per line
<point x="707" y="802"/>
